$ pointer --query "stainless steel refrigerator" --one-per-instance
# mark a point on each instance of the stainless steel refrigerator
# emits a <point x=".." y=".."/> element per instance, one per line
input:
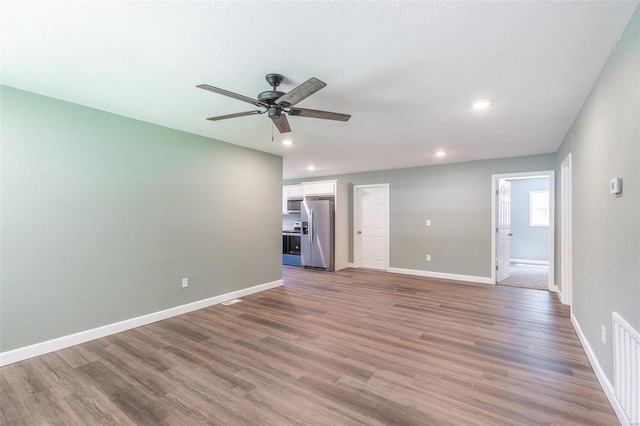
<point x="316" y="244"/>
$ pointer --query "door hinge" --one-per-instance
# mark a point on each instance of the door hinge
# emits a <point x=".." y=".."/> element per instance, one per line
<point x="497" y="192"/>
<point x="496" y="267"/>
<point x="496" y="229"/>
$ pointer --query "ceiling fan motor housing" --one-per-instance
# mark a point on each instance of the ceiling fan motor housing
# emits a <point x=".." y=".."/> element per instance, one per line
<point x="270" y="96"/>
<point x="274" y="111"/>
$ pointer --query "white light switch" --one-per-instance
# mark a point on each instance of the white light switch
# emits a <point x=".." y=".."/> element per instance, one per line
<point x="615" y="186"/>
<point x="428" y="222"/>
<point x="185" y="282"/>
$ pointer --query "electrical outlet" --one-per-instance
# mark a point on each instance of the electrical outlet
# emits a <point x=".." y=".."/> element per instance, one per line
<point x="185" y="282"/>
<point x="428" y="258"/>
<point x="428" y="222"/>
<point x="604" y="335"/>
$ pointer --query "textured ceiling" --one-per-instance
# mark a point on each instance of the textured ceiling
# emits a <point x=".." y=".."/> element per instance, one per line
<point x="405" y="71"/>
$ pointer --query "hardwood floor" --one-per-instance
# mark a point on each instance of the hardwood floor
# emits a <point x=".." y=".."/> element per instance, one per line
<point x="351" y="347"/>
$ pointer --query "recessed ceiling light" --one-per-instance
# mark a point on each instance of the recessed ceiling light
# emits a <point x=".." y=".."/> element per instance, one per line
<point x="310" y="167"/>
<point x="481" y="104"/>
<point x="440" y="154"/>
<point x="287" y="142"/>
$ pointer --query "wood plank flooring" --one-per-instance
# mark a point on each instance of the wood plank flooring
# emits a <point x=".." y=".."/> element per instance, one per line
<point x="351" y="347"/>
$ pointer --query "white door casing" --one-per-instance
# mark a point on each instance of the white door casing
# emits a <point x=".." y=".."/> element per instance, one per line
<point x="494" y="218"/>
<point x="565" y="231"/>
<point x="503" y="230"/>
<point x="371" y="226"/>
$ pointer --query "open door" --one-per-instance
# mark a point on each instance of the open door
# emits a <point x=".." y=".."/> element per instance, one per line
<point x="503" y="229"/>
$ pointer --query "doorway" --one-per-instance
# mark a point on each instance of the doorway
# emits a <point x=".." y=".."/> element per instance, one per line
<point x="523" y="230"/>
<point x="371" y="226"/>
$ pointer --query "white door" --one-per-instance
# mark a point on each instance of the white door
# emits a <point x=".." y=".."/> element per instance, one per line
<point x="371" y="218"/>
<point x="503" y="230"/>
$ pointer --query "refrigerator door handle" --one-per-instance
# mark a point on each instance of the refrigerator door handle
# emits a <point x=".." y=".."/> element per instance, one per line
<point x="310" y="226"/>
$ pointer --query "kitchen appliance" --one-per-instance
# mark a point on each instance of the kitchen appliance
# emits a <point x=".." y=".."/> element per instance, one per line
<point x="317" y="240"/>
<point x="291" y="244"/>
<point x="294" y="205"/>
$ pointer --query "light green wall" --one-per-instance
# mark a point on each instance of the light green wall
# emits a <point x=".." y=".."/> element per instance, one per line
<point x="288" y="219"/>
<point x="604" y="143"/>
<point x="528" y="242"/>
<point x="457" y="200"/>
<point x="102" y="216"/>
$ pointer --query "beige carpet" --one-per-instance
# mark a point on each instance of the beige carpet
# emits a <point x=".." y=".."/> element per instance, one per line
<point x="528" y="276"/>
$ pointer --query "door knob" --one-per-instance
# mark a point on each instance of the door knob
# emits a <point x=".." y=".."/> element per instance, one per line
<point x="359" y="232"/>
<point x="510" y="234"/>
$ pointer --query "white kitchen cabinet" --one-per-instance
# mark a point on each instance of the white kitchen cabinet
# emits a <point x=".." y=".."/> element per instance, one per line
<point x="323" y="188"/>
<point x="295" y="191"/>
<point x="290" y="191"/>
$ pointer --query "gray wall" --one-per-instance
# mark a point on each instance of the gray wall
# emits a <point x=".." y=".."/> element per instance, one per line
<point x="457" y="199"/>
<point x="528" y="242"/>
<point x="604" y="143"/>
<point x="103" y="215"/>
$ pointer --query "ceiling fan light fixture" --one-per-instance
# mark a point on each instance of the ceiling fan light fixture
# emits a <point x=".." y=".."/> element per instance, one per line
<point x="481" y="104"/>
<point x="287" y="142"/>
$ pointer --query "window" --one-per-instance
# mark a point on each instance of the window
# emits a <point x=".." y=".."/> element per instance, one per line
<point x="538" y="208"/>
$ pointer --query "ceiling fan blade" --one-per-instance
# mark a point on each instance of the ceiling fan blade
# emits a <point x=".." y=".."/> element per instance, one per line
<point x="281" y="123"/>
<point x="301" y="92"/>
<point x="231" y="95"/>
<point x="314" y="113"/>
<point x="237" y="114"/>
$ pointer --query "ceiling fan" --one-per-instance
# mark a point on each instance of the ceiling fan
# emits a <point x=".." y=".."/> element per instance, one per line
<point x="279" y="104"/>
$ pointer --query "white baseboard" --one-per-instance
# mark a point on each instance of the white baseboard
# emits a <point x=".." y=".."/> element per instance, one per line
<point x="606" y="385"/>
<point x="351" y="265"/>
<point x="530" y="262"/>
<point x="558" y="293"/>
<point x="442" y="275"/>
<point x="26" y="352"/>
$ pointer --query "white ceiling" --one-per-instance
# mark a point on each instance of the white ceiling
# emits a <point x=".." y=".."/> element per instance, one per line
<point x="405" y="71"/>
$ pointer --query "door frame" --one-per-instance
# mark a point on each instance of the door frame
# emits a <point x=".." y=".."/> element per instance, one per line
<point x="566" y="245"/>
<point x="552" y="185"/>
<point x="356" y="223"/>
